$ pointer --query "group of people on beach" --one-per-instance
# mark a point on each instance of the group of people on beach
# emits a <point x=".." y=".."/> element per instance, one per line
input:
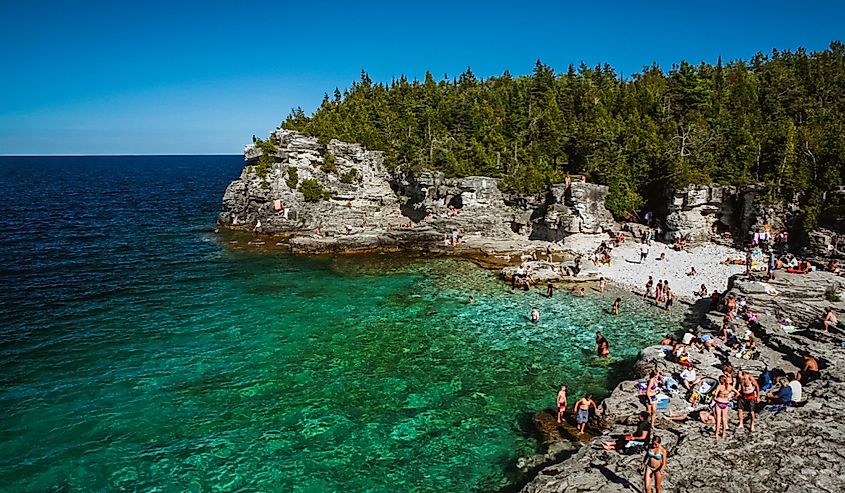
<point x="661" y="293"/>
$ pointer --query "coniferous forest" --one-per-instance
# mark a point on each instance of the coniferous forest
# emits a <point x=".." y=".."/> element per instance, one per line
<point x="777" y="120"/>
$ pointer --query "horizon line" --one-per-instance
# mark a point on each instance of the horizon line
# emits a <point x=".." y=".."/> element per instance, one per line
<point x="118" y="155"/>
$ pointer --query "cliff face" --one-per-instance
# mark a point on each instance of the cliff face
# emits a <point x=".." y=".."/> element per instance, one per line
<point x="362" y="203"/>
<point x="358" y="185"/>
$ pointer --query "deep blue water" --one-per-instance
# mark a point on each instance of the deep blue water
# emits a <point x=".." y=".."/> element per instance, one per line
<point x="140" y="352"/>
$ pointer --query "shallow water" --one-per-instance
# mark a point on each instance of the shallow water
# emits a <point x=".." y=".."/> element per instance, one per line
<point x="138" y="352"/>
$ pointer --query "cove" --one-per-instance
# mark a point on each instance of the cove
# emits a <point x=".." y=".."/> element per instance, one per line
<point x="140" y="353"/>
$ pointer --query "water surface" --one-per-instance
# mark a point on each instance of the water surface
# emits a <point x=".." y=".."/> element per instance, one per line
<point x="139" y="352"/>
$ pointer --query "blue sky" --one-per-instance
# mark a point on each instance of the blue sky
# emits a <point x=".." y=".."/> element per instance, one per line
<point x="152" y="77"/>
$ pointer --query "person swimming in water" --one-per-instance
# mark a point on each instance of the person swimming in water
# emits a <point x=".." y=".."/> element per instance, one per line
<point x="602" y="346"/>
<point x="616" y="306"/>
<point x="535" y="315"/>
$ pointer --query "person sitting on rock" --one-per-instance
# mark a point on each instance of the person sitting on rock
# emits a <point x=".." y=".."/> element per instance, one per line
<point x="829" y="320"/>
<point x="781" y="396"/>
<point x="689" y="377"/>
<point x="637" y="439"/>
<point x="810" y="370"/>
<point x="692" y="272"/>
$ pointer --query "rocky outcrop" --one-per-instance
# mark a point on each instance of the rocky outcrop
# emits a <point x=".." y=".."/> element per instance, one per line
<point x="297" y="185"/>
<point x="824" y="245"/>
<point x="355" y="185"/>
<point x="795" y="449"/>
<point x="694" y="211"/>
<point x="578" y="208"/>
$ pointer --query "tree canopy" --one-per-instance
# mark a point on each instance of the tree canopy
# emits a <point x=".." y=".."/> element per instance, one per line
<point x="777" y="119"/>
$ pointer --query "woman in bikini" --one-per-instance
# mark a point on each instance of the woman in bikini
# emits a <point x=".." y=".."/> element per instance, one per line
<point x="651" y="395"/>
<point x="654" y="466"/>
<point x="720" y="402"/>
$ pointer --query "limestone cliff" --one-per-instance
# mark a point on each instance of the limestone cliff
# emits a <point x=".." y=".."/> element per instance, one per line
<point x="353" y="198"/>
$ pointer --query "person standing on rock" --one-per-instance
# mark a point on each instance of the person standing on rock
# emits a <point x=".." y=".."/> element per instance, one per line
<point x="721" y="400"/>
<point x="602" y="285"/>
<point x="654" y="465"/>
<point x="749" y="394"/>
<point x="670" y="299"/>
<point x="658" y="291"/>
<point x="650" y="396"/>
<point x="561" y="403"/>
<point x="582" y="411"/>
<point x="643" y="252"/>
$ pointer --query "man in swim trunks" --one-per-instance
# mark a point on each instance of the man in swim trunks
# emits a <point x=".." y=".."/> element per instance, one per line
<point x="582" y="411"/>
<point x="749" y="394"/>
<point x="649" y="287"/>
<point x="561" y="403"/>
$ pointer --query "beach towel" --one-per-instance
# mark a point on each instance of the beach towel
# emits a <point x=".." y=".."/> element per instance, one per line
<point x="769" y="289"/>
<point x="277" y="205"/>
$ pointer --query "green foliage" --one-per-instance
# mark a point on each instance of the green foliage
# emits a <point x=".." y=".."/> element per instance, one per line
<point x="329" y="164"/>
<point x="313" y="191"/>
<point x="265" y="185"/>
<point x="775" y="119"/>
<point x="292" y="179"/>
<point x="832" y="295"/>
<point x="266" y="146"/>
<point x="353" y="175"/>
<point x="264" y="165"/>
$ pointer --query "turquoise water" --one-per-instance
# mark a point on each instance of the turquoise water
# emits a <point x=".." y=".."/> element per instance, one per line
<point x="140" y="352"/>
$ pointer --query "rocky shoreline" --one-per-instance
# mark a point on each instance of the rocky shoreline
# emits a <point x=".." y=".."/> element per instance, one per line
<point x="794" y="450"/>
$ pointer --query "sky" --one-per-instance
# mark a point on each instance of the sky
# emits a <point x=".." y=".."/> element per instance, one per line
<point x="180" y="77"/>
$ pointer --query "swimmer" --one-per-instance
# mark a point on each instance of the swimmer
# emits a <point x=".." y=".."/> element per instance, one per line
<point x="581" y="292"/>
<point x="535" y="315"/>
<point x="616" y="306"/>
<point x="602" y="285"/>
<point x="602" y="346"/>
<point x="550" y="289"/>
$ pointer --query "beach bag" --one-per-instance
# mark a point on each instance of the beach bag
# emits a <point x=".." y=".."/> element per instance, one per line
<point x="704" y="391"/>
